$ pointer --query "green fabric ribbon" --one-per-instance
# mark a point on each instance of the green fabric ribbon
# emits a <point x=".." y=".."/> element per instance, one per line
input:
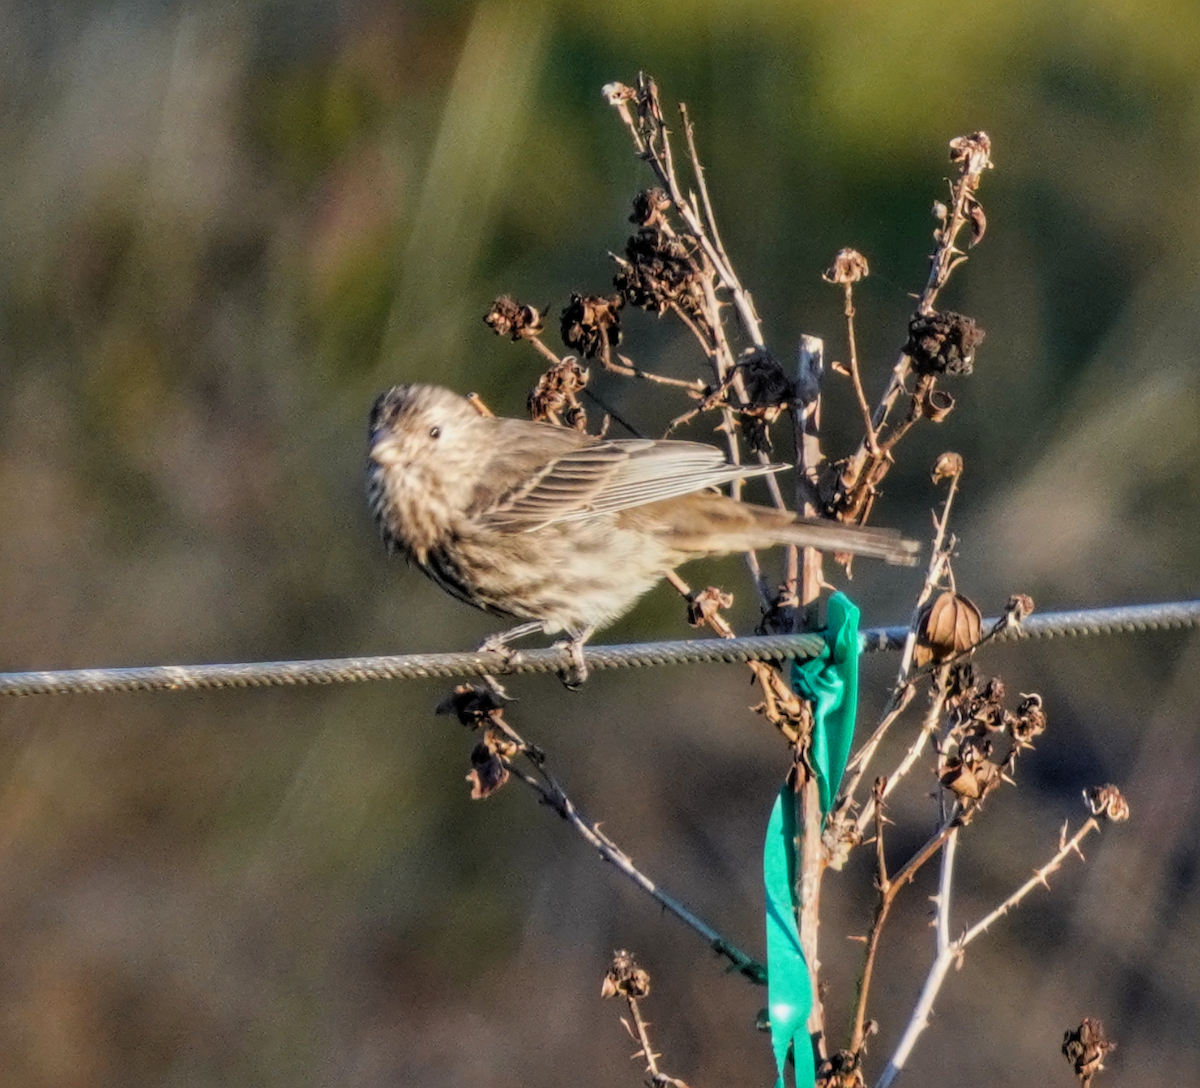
<point x="830" y="683"/>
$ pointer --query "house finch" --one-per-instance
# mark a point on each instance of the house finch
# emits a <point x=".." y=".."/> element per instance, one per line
<point x="558" y="528"/>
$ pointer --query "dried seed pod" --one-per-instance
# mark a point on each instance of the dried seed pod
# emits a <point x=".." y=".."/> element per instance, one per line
<point x="1107" y="801"/>
<point x="625" y="978"/>
<point x="948" y="466"/>
<point x="948" y="626"/>
<point x="591" y="324"/>
<point x="1085" y="1048"/>
<point x="849" y="266"/>
<point x="936" y="404"/>
<point x="513" y="319"/>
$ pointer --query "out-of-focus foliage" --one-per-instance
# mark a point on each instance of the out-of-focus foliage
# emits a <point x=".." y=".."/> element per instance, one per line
<point x="227" y="226"/>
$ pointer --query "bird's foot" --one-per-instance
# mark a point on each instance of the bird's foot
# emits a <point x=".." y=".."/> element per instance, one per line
<point x="510" y="657"/>
<point x="499" y="643"/>
<point x="574" y="675"/>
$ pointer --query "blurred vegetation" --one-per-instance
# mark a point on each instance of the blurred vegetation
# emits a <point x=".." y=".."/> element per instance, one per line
<point x="228" y="225"/>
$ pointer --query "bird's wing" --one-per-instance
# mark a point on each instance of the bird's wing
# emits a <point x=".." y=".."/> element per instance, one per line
<point x="611" y="476"/>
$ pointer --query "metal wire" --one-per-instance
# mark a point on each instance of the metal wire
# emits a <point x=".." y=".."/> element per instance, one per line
<point x="348" y="670"/>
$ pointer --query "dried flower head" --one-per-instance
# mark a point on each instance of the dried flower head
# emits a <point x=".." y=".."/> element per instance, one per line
<point x="555" y="398"/>
<point x="513" y="319"/>
<point x="474" y="705"/>
<point x="1108" y="802"/>
<point x="1019" y="606"/>
<point x="947" y="467"/>
<point x="649" y="207"/>
<point x="960" y="682"/>
<point x="489" y="763"/>
<point x="1085" y="1048"/>
<point x="625" y="978"/>
<point x="706" y="604"/>
<point x="973" y="153"/>
<point x="591" y="324"/>
<point x="659" y="270"/>
<point x="842" y="1069"/>
<point x="849" y="266"/>
<point x="942" y="343"/>
<point x="769" y="391"/>
<point x="1028" y="722"/>
<point x="616" y="93"/>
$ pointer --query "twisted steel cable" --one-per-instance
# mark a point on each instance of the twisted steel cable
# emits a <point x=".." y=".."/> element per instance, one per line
<point x="1079" y="624"/>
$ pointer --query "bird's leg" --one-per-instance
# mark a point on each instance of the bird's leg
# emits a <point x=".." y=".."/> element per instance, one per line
<point x="574" y="676"/>
<point x="498" y="644"/>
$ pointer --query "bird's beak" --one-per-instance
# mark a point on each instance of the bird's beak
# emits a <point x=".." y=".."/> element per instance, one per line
<point x="384" y="449"/>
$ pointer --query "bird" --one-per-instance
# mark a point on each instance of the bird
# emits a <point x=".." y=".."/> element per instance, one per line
<point x="559" y="529"/>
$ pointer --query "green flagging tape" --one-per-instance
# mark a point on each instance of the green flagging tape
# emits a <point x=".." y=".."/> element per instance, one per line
<point x="830" y="683"/>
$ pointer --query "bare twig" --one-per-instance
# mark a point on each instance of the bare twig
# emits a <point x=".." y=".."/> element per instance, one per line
<point x="950" y="952"/>
<point x="889" y="888"/>
<point x="553" y="795"/>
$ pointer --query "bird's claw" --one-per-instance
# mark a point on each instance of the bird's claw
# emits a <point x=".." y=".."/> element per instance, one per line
<point x="576" y="673"/>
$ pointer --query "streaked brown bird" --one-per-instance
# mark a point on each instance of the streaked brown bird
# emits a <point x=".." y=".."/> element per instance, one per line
<point x="561" y="529"/>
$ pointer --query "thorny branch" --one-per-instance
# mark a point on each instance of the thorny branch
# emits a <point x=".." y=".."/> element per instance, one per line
<point x="1105" y="803"/>
<point x="626" y="979"/>
<point x="481" y="707"/>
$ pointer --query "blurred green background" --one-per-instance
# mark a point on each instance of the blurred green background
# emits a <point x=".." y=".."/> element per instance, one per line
<point x="227" y="226"/>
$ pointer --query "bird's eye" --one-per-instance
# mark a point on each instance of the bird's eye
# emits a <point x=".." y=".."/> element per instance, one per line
<point x="435" y="432"/>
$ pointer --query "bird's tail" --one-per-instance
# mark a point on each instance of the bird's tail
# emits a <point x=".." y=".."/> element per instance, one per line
<point x="715" y="524"/>
<point x="835" y="536"/>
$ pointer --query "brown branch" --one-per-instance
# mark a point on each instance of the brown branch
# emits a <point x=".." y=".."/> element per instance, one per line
<point x="889" y="888"/>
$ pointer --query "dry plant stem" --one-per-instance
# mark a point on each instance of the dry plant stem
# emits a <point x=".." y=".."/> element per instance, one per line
<point x="806" y="420"/>
<point x="625" y="369"/>
<point x="889" y="888"/>
<point x="1065" y="846"/>
<point x="950" y="952"/>
<point x="554" y="796"/>
<point x="766" y="676"/>
<point x="806" y="426"/>
<point x="698" y="171"/>
<point x="629" y="371"/>
<point x="902" y="690"/>
<point x="704" y="233"/>
<point x="656" y="150"/>
<point x="812" y="869"/>
<point x="942" y="262"/>
<point x="641" y="1035"/>
<point x="929" y="727"/>
<point x="870" y="436"/>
